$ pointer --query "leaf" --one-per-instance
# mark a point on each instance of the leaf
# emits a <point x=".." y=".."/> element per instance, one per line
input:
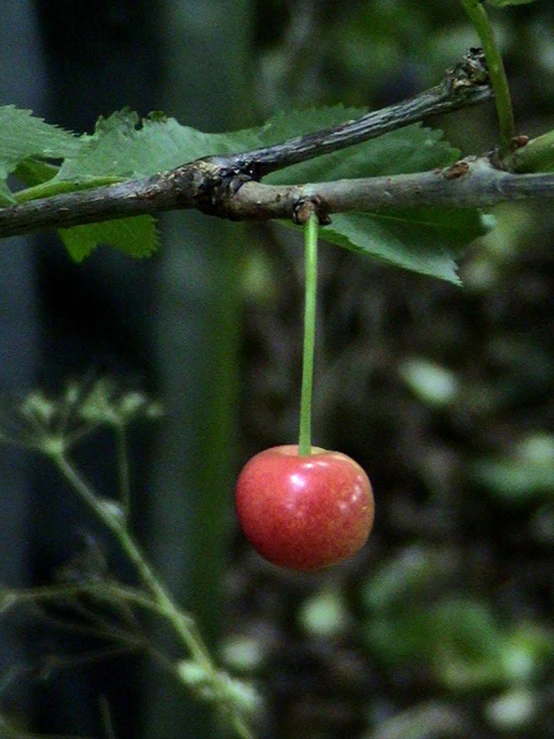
<point x="433" y="384"/>
<point x="414" y="148"/>
<point x="137" y="237"/>
<point x="400" y="638"/>
<point x="426" y="240"/>
<point x="121" y="146"/>
<point x="405" y="579"/>
<point x="22" y="136"/>
<point x="34" y="171"/>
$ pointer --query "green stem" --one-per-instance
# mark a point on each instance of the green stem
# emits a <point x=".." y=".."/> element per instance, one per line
<point x="50" y="188"/>
<point x="310" y="266"/>
<point x="116" y="524"/>
<point x="183" y="625"/>
<point x="478" y="15"/>
<point x="123" y="467"/>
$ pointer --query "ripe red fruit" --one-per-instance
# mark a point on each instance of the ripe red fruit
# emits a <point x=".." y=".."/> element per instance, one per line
<point x="304" y="512"/>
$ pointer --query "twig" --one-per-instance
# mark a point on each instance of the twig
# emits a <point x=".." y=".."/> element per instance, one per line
<point x="117" y="526"/>
<point x="469" y="183"/>
<point x="182" y="624"/>
<point x="473" y="182"/>
<point x="465" y="84"/>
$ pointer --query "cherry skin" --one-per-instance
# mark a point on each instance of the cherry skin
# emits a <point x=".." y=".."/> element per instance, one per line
<point x="304" y="512"/>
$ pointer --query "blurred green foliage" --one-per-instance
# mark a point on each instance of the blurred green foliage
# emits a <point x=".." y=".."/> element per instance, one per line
<point x="443" y="627"/>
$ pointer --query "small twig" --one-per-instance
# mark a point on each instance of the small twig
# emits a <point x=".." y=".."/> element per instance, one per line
<point x="120" y="431"/>
<point x="116" y="524"/>
<point x="107" y="720"/>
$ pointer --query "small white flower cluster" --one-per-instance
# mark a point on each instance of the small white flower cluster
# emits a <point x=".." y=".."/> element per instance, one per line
<point x="52" y="425"/>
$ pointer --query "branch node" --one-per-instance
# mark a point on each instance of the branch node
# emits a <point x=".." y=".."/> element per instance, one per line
<point x="469" y="73"/>
<point x="456" y="170"/>
<point x="305" y="207"/>
<point x="220" y="178"/>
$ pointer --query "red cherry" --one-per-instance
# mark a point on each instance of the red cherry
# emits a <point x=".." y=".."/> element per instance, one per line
<point x="304" y="512"/>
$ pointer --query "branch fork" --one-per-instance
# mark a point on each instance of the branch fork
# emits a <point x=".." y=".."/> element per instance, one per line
<point x="230" y="186"/>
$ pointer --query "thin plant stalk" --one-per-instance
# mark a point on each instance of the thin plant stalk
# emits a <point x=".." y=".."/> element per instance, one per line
<point x="504" y="110"/>
<point x="123" y="467"/>
<point x="310" y="305"/>
<point x="112" y="517"/>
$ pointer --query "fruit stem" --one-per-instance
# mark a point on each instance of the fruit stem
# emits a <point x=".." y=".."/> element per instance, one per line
<point x="310" y="270"/>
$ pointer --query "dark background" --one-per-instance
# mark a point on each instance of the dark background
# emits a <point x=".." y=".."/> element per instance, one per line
<point x="442" y="627"/>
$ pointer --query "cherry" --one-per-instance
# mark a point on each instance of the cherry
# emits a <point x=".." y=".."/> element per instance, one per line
<point x="304" y="512"/>
<point x="304" y="507"/>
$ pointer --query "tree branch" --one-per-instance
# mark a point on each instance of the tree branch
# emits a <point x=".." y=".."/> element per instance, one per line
<point x="469" y="183"/>
<point x="465" y="84"/>
<point x="473" y="182"/>
<point x="229" y="187"/>
<point x="210" y="184"/>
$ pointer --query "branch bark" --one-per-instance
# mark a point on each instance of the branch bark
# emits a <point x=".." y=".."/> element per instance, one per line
<point x="467" y="83"/>
<point x="468" y="183"/>
<point x="472" y="182"/>
<point x="229" y="186"/>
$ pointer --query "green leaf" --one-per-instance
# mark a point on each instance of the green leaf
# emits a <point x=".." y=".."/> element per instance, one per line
<point x="401" y="638"/>
<point x="34" y="171"/>
<point x="526" y="475"/>
<point x="121" y="146"/>
<point x="414" y="148"/>
<point x="137" y="237"/>
<point x="405" y="579"/>
<point x="461" y="641"/>
<point x="433" y="384"/>
<point x="426" y="240"/>
<point x="22" y="136"/>
<point x="286" y="124"/>
<point x="467" y="648"/>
